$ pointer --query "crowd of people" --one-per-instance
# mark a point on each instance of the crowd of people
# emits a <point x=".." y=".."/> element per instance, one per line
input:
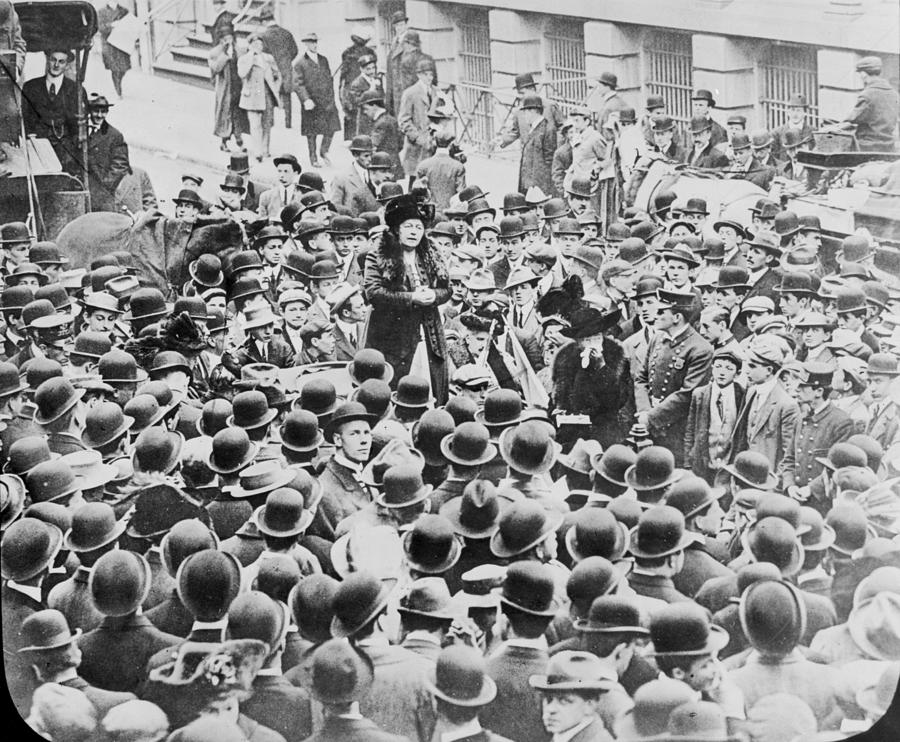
<point x="404" y="468"/>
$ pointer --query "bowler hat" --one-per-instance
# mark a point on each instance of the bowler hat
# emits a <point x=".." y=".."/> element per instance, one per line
<point x="653" y="468"/>
<point x="663" y="123"/>
<point x="232" y="450"/>
<point x="105" y="423"/>
<point x="214" y="417"/>
<point x="523" y="526"/>
<point x="596" y="532"/>
<point x="146" y="303"/>
<point x="692" y="495"/>
<point x="186" y="537"/>
<point x="402" y="486"/>
<point x="91" y="345"/>
<point x="795" y="282"/>
<point x="528" y="448"/>
<point x="502" y="408"/>
<point x="850" y="525"/>
<point x="884" y="364"/>
<point x="89" y="470"/>
<point x="430" y="546"/>
<point x="26" y="269"/>
<point x="319" y="397"/>
<point x="513" y="203"/>
<point x="157" y="449"/>
<point x="54" y="398"/>
<point x="412" y="392"/>
<point x="555" y="208"/>
<point x="594" y="576"/>
<point x="284" y="514"/>
<point x="145" y="411"/>
<point x="460" y="678"/>
<point x="46" y="629"/>
<point x="300" y="432"/>
<point x="16" y="297"/>
<point x="369" y="363"/>
<point x="26" y="453"/>
<point x="733" y="277"/>
<point x="10" y="381"/>
<point x="340" y="673"/>
<point x="529" y="587"/>
<point x="704" y="95"/>
<point x="573" y="671"/>
<point x="841" y="455"/>
<point x="117" y="366"/>
<point x="94" y="526"/>
<point x="208" y="581"/>
<point x="13" y="232"/>
<point x="684" y="630"/>
<point x="51" y="481"/>
<point x="119" y="582"/>
<point x="614" y="463"/>
<point x="773" y="616"/>
<point x="468" y="445"/>
<point x="429" y="431"/>
<point x="375" y="396"/>
<point x="188" y="196"/>
<point x="612" y="614"/>
<point x="752" y="469"/>
<point x="774" y="539"/>
<point x="372" y="96"/>
<point x="345" y="413"/>
<point x="250" y="410"/>
<point x="29" y="546"/>
<point x="817" y="535"/>
<point x="360" y="598"/>
<point x="659" y="532"/>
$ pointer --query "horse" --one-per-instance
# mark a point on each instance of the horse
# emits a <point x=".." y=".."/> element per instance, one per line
<point x="162" y="247"/>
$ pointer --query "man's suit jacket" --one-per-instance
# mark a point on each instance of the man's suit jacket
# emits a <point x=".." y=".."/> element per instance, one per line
<point x="282" y="707"/>
<point x="760" y="174"/>
<point x="349" y="191"/>
<point x="73" y="599"/>
<point x="399" y="701"/>
<point x="516" y="711"/>
<point x="445" y="177"/>
<point x="115" y="654"/>
<point x="771" y="433"/>
<point x="280" y="354"/>
<point x="337" y="729"/>
<point x="280" y="43"/>
<point x="501" y="269"/>
<point x="412" y="117"/>
<point x="699" y="566"/>
<point x="884" y="426"/>
<point x="709" y="157"/>
<point x="696" y="439"/>
<point x="656" y="586"/>
<point x="536" y="164"/>
<point x="259" y="77"/>
<point x="344" y="349"/>
<point x="422" y="647"/>
<point x="517" y="129"/>
<point x="103" y="700"/>
<point x="271" y="202"/>
<point x="447" y="490"/>
<point x="107" y="164"/>
<point x="171" y="616"/>
<point x="342" y="495"/>
<point x="386" y="137"/>
<point x="51" y="118"/>
<point x="765" y="286"/>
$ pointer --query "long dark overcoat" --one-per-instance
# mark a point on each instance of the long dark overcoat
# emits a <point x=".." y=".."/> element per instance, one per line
<point x="396" y="324"/>
<point x="312" y="81"/>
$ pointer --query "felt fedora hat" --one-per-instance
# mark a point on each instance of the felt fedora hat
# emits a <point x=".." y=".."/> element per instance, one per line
<point x="460" y="678"/>
<point x="260" y="478"/>
<point x="574" y="671"/>
<point x="523" y="526"/>
<point x="659" y="532"/>
<point x="476" y="512"/>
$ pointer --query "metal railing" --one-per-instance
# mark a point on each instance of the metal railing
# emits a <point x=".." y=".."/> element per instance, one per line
<point x="566" y="81"/>
<point x="668" y="63"/>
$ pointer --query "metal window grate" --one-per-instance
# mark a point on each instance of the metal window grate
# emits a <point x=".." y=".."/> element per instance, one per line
<point x="784" y="71"/>
<point x="566" y="83"/>
<point x="668" y="62"/>
<point x="476" y="101"/>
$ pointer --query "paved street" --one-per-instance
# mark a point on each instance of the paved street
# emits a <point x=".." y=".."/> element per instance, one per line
<point x="168" y="129"/>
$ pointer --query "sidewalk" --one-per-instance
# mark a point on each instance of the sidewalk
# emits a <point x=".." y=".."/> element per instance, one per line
<point x="173" y="120"/>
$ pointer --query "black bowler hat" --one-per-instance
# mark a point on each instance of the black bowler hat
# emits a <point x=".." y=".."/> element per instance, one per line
<point x="684" y="630"/>
<point x="146" y="303"/>
<point x="428" y="433"/>
<point x="54" y="398"/>
<point x="157" y="449"/>
<point x="653" y="468"/>
<point x="375" y="396"/>
<point x="300" y="432"/>
<point x="529" y="587"/>
<point x="430" y="546"/>
<point x="345" y="413"/>
<point x="359" y="599"/>
<point x="94" y="526"/>
<point x="692" y="495"/>
<point x="185" y="538"/>
<point x="232" y="450"/>
<point x="502" y="408"/>
<point x="341" y="673"/>
<point x="612" y="614"/>
<point x="460" y="678"/>
<point x="413" y="392"/>
<point x="284" y="514"/>
<point x="208" y="581"/>
<point x="214" y="417"/>
<point x="468" y="445"/>
<point x="29" y="546"/>
<point x="523" y="526"/>
<point x="659" y="533"/>
<point x="773" y="616"/>
<point x="119" y="582"/>
<point x="250" y="410"/>
<point x="596" y="532"/>
<point x="319" y="397"/>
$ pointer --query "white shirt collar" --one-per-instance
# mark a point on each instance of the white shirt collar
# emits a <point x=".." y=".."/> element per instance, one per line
<point x="361" y="171"/>
<point x="521" y="641"/>
<point x="32" y="591"/>
<point x="339" y="458"/>
<point x="348" y="328"/>
<point x="203" y="625"/>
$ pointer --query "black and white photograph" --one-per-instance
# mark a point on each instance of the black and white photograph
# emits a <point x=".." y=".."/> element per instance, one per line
<point x="450" y="371"/>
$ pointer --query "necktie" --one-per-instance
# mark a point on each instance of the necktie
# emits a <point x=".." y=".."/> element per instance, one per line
<point x="720" y="406"/>
<point x="286" y="197"/>
<point x="52" y="89"/>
